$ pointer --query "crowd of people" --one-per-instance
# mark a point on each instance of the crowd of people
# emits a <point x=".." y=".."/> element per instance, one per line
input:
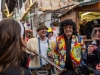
<point x="68" y="50"/>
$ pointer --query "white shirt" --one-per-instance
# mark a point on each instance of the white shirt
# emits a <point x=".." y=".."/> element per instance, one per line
<point x="44" y="48"/>
<point x="52" y="39"/>
<point x="55" y="34"/>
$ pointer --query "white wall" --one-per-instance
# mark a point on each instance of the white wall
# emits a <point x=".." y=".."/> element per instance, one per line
<point x="19" y="12"/>
<point x="34" y="31"/>
<point x="0" y="11"/>
<point x="48" y="20"/>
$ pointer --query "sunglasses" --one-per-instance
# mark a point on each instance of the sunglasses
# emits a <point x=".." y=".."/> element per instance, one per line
<point x="95" y="31"/>
<point x="65" y="27"/>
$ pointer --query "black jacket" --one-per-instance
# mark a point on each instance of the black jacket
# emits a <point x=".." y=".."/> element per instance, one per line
<point x="16" y="71"/>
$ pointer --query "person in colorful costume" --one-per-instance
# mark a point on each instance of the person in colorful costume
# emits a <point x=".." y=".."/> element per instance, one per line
<point x="69" y="49"/>
<point x="92" y="54"/>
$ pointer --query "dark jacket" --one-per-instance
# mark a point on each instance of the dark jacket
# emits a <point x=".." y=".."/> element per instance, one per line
<point x="83" y="29"/>
<point x="92" y="60"/>
<point x="16" y="71"/>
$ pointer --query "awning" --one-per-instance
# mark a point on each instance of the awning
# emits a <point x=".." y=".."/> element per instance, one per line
<point x="81" y="4"/>
<point x="88" y="3"/>
<point x="44" y="5"/>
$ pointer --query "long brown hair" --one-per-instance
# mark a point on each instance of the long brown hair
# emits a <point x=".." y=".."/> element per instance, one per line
<point x="11" y="46"/>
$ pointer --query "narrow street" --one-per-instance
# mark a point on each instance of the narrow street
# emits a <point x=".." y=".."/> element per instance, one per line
<point x="39" y="37"/>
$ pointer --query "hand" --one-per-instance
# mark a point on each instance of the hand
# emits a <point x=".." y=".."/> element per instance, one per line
<point x="58" y="71"/>
<point x="90" y="49"/>
<point x="51" y="53"/>
<point x="32" y="55"/>
<point x="98" y="67"/>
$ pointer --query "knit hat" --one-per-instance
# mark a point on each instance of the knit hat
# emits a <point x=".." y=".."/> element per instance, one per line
<point x="40" y="26"/>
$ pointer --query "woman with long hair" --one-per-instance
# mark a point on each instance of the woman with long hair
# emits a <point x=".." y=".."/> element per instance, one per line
<point x="12" y="46"/>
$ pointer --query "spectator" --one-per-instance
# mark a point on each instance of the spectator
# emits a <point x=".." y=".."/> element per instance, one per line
<point x="12" y="46"/>
<point x="28" y="34"/>
<point x="92" y="53"/>
<point x="83" y="27"/>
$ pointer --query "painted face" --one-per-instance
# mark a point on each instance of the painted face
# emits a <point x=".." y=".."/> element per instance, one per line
<point x="96" y="33"/>
<point x="68" y="30"/>
<point x="42" y="32"/>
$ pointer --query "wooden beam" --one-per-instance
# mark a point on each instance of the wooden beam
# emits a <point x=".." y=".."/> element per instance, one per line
<point x="28" y="9"/>
<point x="8" y="15"/>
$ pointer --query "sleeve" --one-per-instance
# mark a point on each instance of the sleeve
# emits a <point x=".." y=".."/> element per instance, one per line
<point x="85" y="54"/>
<point x="83" y="50"/>
<point x="86" y="58"/>
<point x="82" y="44"/>
<point x="30" y="45"/>
<point x="96" y="72"/>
